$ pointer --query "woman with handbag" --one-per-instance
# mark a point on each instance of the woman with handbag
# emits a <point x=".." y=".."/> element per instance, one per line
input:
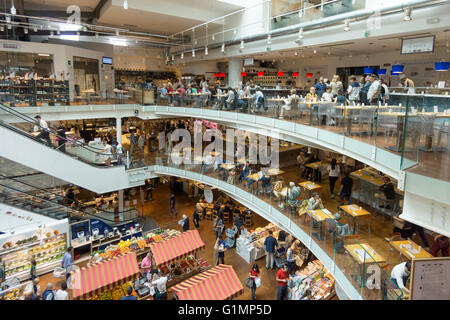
<point x="254" y="278"/>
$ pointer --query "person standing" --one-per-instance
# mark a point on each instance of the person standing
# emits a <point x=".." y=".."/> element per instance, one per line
<point x="67" y="261"/>
<point x="345" y="191"/>
<point x="61" y="138"/>
<point x="185" y="223"/>
<point x="221" y="247"/>
<point x="218" y="226"/>
<point x="172" y="205"/>
<point x="149" y="187"/>
<point x="48" y="293"/>
<point x="384" y="92"/>
<point x="132" y="142"/>
<point x="353" y="91"/>
<point x="407" y="84"/>
<point x="129" y="295"/>
<point x="62" y="294"/>
<point x="196" y="219"/>
<point x="141" y="143"/>
<point x="44" y="132"/>
<point x="33" y="269"/>
<point x="271" y="244"/>
<point x="373" y="94"/>
<point x="254" y="273"/>
<point x="282" y="281"/>
<point x="290" y="259"/>
<point x="335" y="85"/>
<point x="320" y="87"/>
<point x="333" y="175"/>
<point x="147" y="264"/>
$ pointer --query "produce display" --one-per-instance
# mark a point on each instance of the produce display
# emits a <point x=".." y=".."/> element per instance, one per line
<point x="115" y="294"/>
<point x="18" y="259"/>
<point x="314" y="277"/>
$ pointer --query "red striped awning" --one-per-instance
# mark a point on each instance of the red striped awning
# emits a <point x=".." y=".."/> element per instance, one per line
<point x="104" y="276"/>
<point x="177" y="247"/>
<point x="218" y="283"/>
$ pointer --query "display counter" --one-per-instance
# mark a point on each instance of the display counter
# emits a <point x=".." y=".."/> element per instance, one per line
<point x="250" y="246"/>
<point x="314" y="277"/>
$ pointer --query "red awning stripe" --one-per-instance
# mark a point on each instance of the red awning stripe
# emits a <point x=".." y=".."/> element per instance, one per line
<point x="218" y="283"/>
<point x="174" y="248"/>
<point x="104" y="276"/>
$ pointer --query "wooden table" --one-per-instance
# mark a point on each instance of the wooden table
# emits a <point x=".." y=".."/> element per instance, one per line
<point x="320" y="215"/>
<point x="310" y="186"/>
<point x="272" y="172"/>
<point x="356" y="212"/>
<point x="278" y="102"/>
<point x="227" y="166"/>
<point x="408" y="249"/>
<point x="360" y="174"/>
<point x="315" y="166"/>
<point x="370" y="256"/>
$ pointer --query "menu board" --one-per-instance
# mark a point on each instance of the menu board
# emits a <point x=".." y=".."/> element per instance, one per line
<point x="418" y="45"/>
<point x="430" y="279"/>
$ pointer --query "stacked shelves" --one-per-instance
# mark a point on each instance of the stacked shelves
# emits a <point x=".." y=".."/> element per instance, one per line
<point x="43" y="92"/>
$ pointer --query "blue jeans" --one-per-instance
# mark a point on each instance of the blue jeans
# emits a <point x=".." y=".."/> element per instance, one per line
<point x="344" y="195"/>
<point x="269" y="256"/>
<point x="281" y="293"/>
<point x="253" y="291"/>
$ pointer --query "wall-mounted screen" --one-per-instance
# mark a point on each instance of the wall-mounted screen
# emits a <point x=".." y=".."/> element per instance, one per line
<point x="248" y="62"/>
<point x="107" y="60"/>
<point x="418" y="45"/>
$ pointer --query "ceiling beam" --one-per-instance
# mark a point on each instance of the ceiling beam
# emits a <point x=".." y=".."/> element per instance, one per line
<point x="56" y="14"/>
<point x="98" y="8"/>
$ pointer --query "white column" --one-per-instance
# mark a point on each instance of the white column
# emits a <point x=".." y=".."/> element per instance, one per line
<point x="119" y="131"/>
<point x="120" y="196"/>
<point x="234" y="71"/>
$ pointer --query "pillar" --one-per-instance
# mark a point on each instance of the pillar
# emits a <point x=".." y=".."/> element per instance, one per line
<point x="120" y="196"/>
<point x="234" y="71"/>
<point x="119" y="131"/>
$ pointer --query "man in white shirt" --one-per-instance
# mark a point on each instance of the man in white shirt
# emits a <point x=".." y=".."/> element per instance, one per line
<point x="62" y="294"/>
<point x="374" y="90"/>
<point x="258" y="97"/>
<point x="161" y="286"/>
<point x="327" y="95"/>
<point x="107" y="148"/>
<point x="44" y="133"/>
<point x="400" y="274"/>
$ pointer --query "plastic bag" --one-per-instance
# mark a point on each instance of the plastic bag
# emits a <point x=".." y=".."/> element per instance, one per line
<point x="257" y="282"/>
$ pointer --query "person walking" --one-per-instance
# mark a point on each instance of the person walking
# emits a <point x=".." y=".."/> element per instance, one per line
<point x="221" y="247"/>
<point x="172" y="205"/>
<point x="196" y="219"/>
<point x="282" y="281"/>
<point x="149" y="189"/>
<point x="48" y="293"/>
<point x="185" y="223"/>
<point x="254" y="274"/>
<point x="270" y="243"/>
<point x="333" y="175"/>
<point x="67" y="261"/>
<point x="290" y="258"/>
<point x="42" y="128"/>
<point x="218" y="226"/>
<point x="61" y="138"/>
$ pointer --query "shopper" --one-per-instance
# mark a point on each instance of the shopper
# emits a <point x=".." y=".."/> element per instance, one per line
<point x="345" y="191"/>
<point x="290" y="103"/>
<point x="254" y="275"/>
<point x="388" y="192"/>
<point x="353" y="91"/>
<point x="62" y="294"/>
<point x="161" y="286"/>
<point x="149" y="189"/>
<point x="67" y="261"/>
<point x="441" y="243"/>
<point x="406" y="83"/>
<point x="271" y="245"/>
<point x="320" y="87"/>
<point x="221" y="247"/>
<point x="185" y="223"/>
<point x="290" y="258"/>
<point x="172" y="208"/>
<point x="365" y="85"/>
<point x="384" y="92"/>
<point x="42" y="128"/>
<point x="141" y="142"/>
<point x="61" y="137"/>
<point x="282" y="281"/>
<point x="196" y="219"/>
<point x="400" y="275"/>
<point x="373" y="94"/>
<point x="33" y="269"/>
<point x="333" y="175"/>
<point x="327" y="96"/>
<point x="148" y="264"/>
<point x="48" y="293"/>
<point x="129" y="295"/>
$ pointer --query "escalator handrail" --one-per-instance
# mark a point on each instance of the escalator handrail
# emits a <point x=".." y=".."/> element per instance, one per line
<point x="66" y="207"/>
<point x="32" y="121"/>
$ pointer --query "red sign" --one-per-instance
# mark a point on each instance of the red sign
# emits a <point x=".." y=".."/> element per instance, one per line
<point x="243" y="74"/>
<point x="260" y="73"/>
<point x="222" y="75"/>
<point x="309" y="75"/>
<point x="216" y="75"/>
<point x="295" y="74"/>
<point x="280" y="73"/>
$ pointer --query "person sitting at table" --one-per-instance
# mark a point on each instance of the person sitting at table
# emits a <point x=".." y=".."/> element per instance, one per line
<point x="290" y="103"/>
<point x="245" y="171"/>
<point x="400" y="275"/>
<point x="265" y="183"/>
<point x="340" y="99"/>
<point x="277" y="189"/>
<point x="327" y="96"/>
<point x="315" y="202"/>
<point x="100" y="201"/>
<point x="230" y="99"/>
<point x="312" y="96"/>
<point x="293" y="193"/>
<point x="259" y="99"/>
<point x="388" y="192"/>
<point x="441" y="243"/>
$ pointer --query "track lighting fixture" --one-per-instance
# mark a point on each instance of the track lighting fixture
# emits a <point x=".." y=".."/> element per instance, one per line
<point x="347" y="25"/>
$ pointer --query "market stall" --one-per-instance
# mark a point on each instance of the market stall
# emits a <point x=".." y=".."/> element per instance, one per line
<point x="314" y="277"/>
<point x="222" y="279"/>
<point x="107" y="280"/>
<point x="250" y="246"/>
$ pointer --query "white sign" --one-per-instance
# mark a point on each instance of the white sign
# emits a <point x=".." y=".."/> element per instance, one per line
<point x="418" y="45"/>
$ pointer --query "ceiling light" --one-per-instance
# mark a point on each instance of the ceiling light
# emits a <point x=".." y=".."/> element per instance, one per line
<point x="242" y="44"/>
<point x="222" y="49"/>
<point x="43" y="54"/>
<point x="9" y="27"/>
<point x="182" y="56"/>
<point x="125" y="4"/>
<point x="13" y="10"/>
<point x="206" y="51"/>
<point x="300" y="33"/>
<point x="269" y="38"/>
<point x="347" y="25"/>
<point x="408" y="12"/>
<point x="193" y="53"/>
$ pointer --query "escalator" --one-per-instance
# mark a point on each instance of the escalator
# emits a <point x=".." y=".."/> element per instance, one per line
<point x="80" y="164"/>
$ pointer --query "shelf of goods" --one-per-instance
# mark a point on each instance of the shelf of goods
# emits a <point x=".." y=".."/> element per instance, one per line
<point x="139" y="245"/>
<point x="14" y="290"/>
<point x="184" y="268"/>
<point x="41" y="92"/>
<point x="314" y="277"/>
<point x="116" y="274"/>
<point x="47" y="252"/>
<point x="251" y="245"/>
